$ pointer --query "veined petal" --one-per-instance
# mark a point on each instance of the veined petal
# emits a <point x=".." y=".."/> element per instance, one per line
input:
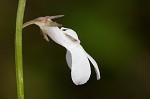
<point x="68" y="59"/>
<point x="95" y="65"/>
<point x="80" y="70"/>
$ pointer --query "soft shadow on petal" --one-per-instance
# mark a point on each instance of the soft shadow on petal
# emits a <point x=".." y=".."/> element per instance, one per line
<point x="68" y="59"/>
<point x="80" y="70"/>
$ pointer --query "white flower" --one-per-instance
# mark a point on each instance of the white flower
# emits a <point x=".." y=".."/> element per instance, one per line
<point x="77" y="58"/>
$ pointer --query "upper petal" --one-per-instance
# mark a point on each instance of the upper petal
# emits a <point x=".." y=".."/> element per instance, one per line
<point x="71" y="33"/>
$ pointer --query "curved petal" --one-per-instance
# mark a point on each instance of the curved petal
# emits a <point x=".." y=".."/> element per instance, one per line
<point x="68" y="58"/>
<point x="55" y="34"/>
<point x="80" y="70"/>
<point x="95" y="65"/>
<point x="59" y="37"/>
<point x="71" y="33"/>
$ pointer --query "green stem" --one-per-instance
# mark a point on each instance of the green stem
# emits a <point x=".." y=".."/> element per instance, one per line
<point x="18" y="49"/>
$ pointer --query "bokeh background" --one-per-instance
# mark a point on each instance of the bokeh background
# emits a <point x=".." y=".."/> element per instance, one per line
<point x="116" y="33"/>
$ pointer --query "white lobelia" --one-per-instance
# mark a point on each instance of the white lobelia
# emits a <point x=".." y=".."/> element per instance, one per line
<point x="77" y="58"/>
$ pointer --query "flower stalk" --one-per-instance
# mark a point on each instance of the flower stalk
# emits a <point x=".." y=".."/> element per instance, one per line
<point x="18" y="49"/>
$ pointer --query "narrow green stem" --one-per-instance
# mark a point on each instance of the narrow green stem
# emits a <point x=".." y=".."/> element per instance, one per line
<point x="18" y="49"/>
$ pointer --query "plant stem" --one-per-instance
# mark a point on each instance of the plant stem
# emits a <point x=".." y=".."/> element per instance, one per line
<point x="18" y="49"/>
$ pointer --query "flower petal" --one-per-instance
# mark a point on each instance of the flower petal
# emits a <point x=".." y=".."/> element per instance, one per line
<point x="95" y="65"/>
<point x="68" y="59"/>
<point x="55" y="34"/>
<point x="59" y="37"/>
<point x="71" y="33"/>
<point x="80" y="70"/>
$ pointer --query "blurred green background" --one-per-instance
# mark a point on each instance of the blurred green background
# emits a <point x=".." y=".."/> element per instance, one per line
<point x="116" y="33"/>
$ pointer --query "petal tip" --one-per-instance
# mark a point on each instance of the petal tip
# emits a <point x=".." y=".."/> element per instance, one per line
<point x="99" y="77"/>
<point x="79" y="82"/>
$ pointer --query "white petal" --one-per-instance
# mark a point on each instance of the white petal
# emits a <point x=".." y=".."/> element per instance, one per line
<point x="71" y="33"/>
<point x="80" y="70"/>
<point x="59" y="37"/>
<point x="55" y="34"/>
<point x="95" y="66"/>
<point x="68" y="59"/>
